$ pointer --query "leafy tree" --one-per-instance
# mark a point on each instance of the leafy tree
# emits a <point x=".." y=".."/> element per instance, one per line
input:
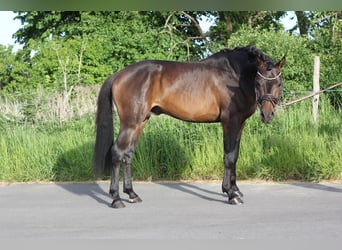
<point x="39" y="25"/>
<point x="6" y="65"/>
<point x="327" y="43"/>
<point x="85" y="47"/>
<point x="14" y="71"/>
<point x="229" y="22"/>
<point x="77" y="47"/>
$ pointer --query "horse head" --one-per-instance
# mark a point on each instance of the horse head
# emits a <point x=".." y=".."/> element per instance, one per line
<point x="268" y="87"/>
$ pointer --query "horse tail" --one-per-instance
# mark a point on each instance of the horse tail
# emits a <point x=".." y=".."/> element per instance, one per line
<point x="104" y="130"/>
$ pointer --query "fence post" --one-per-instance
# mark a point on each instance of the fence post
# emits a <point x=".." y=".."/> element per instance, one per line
<point x="316" y="88"/>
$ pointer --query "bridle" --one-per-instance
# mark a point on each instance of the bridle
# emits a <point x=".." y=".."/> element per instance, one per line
<point x="269" y="78"/>
<point x="268" y="97"/>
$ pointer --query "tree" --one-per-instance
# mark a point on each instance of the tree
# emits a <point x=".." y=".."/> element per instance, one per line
<point x="39" y="25"/>
<point x="106" y="42"/>
<point x="303" y="23"/>
<point x="181" y="29"/>
<point x="13" y="68"/>
<point x="6" y="65"/>
<point x="85" y="47"/>
<point x="229" y="22"/>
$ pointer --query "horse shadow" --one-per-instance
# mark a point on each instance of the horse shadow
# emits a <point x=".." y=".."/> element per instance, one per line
<point x="73" y="172"/>
<point x="91" y="189"/>
<point x="318" y="186"/>
<point x="197" y="191"/>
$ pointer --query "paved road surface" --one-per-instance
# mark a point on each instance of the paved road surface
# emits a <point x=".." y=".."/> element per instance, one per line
<point x="170" y="211"/>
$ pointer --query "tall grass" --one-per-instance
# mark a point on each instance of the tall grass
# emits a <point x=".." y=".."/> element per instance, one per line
<point x="292" y="147"/>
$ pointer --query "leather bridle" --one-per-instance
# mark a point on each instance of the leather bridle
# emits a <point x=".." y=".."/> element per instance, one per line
<point x="269" y="78"/>
<point x="268" y="97"/>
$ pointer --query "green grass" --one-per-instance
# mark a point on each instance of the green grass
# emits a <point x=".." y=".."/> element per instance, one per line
<point x="289" y="148"/>
<point x="49" y="153"/>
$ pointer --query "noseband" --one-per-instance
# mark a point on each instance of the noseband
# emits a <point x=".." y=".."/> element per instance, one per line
<point x="268" y="97"/>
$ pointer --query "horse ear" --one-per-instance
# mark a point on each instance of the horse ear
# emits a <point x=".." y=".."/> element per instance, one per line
<point x="260" y="64"/>
<point x="281" y="63"/>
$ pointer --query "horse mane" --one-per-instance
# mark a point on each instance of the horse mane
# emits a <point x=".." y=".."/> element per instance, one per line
<point x="251" y="51"/>
<point x="254" y="52"/>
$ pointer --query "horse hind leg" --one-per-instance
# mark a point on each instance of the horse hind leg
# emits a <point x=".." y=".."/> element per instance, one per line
<point x="123" y="151"/>
<point x="114" y="184"/>
<point x="127" y="185"/>
<point x="120" y="150"/>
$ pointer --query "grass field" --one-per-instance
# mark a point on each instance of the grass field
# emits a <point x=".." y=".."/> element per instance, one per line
<point x="289" y="148"/>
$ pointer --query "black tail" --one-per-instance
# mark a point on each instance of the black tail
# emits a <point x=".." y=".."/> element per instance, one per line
<point x="104" y="130"/>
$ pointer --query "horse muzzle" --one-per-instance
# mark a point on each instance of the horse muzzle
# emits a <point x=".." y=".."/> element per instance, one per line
<point x="267" y="104"/>
<point x="267" y="116"/>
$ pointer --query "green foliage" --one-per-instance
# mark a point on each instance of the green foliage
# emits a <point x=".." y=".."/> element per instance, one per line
<point x="327" y="43"/>
<point x="84" y="48"/>
<point x="93" y="45"/>
<point x="230" y="22"/>
<point x="14" y="71"/>
<point x="47" y="153"/>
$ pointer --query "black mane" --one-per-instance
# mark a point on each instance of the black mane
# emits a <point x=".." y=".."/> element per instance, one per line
<point x="250" y="51"/>
<point x="257" y="53"/>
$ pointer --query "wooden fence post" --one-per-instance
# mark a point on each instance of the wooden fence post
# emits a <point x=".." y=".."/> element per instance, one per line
<point x="316" y="88"/>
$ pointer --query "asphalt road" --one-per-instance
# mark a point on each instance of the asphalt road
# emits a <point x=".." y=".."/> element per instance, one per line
<point x="171" y="211"/>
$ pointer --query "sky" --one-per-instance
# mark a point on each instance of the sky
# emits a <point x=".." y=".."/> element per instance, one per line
<point x="9" y="26"/>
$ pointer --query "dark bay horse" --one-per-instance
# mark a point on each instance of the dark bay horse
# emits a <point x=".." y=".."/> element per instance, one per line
<point x="226" y="87"/>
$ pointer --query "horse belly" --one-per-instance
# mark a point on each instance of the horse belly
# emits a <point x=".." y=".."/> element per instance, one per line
<point x="191" y="109"/>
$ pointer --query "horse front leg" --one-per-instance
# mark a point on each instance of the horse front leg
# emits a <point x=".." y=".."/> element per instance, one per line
<point x="232" y="137"/>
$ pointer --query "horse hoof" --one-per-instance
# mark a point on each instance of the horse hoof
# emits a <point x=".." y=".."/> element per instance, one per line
<point x="238" y="194"/>
<point x="135" y="200"/>
<point x="235" y="201"/>
<point x="118" y="204"/>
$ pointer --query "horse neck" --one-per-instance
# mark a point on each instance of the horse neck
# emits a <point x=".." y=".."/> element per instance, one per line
<point x="247" y="83"/>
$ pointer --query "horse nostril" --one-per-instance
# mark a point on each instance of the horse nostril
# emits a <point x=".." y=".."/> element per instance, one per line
<point x="267" y="117"/>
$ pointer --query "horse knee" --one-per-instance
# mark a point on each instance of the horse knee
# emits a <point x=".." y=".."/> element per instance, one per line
<point x="128" y="157"/>
<point x="117" y="155"/>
